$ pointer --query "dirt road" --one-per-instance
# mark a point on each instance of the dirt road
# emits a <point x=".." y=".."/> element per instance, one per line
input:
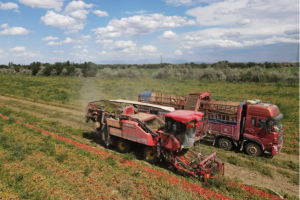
<point x="68" y="117"/>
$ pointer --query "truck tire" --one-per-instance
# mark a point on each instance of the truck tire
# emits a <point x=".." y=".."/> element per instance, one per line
<point x="225" y="143"/>
<point x="123" y="146"/>
<point x="253" y="149"/>
<point x="149" y="155"/>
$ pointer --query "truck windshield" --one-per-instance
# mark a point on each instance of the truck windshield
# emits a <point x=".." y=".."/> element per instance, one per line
<point x="277" y="126"/>
<point x="155" y="123"/>
<point x="189" y="137"/>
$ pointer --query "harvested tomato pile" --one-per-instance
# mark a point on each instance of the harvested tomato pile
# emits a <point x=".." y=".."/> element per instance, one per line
<point x="197" y="189"/>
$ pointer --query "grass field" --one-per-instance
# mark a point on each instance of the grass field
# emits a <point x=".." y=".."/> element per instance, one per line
<point x="76" y="92"/>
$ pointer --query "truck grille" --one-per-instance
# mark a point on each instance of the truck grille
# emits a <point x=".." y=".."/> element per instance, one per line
<point x="280" y="139"/>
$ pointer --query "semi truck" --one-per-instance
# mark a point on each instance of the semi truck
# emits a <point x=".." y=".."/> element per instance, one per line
<point x="252" y="125"/>
<point x="166" y="140"/>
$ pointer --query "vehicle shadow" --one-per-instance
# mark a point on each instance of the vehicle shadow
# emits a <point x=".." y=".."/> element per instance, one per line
<point x="234" y="149"/>
<point x="95" y="138"/>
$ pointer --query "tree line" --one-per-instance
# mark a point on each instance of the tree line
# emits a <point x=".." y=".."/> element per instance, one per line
<point x="89" y="69"/>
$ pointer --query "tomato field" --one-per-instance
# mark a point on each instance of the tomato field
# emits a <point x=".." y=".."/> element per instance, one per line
<point x="70" y="164"/>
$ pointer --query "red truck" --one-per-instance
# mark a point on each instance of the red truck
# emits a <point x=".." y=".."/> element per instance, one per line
<point x="252" y="126"/>
<point x="168" y="140"/>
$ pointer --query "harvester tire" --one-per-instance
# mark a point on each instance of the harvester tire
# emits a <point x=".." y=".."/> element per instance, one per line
<point x="253" y="149"/>
<point x="225" y="143"/>
<point x="123" y="146"/>
<point x="149" y="155"/>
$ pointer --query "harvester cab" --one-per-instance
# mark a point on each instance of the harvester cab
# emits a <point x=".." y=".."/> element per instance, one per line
<point x="182" y="126"/>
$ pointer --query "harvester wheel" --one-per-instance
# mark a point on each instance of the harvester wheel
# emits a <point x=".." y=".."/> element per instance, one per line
<point x="225" y="143"/>
<point x="123" y="146"/>
<point x="149" y="155"/>
<point x="253" y="149"/>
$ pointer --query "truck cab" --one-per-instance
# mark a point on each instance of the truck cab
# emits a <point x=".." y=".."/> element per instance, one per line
<point x="263" y="131"/>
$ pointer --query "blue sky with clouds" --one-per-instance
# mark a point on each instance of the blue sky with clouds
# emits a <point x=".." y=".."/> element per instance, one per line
<point x="142" y="30"/>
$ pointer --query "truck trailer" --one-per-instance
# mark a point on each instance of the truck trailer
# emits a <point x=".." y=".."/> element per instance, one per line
<point x="166" y="140"/>
<point x="252" y="125"/>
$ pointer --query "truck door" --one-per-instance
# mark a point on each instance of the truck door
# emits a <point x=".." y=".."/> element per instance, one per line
<point x="258" y="129"/>
<point x="263" y="134"/>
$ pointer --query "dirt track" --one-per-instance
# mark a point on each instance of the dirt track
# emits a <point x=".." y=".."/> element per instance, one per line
<point x="278" y="183"/>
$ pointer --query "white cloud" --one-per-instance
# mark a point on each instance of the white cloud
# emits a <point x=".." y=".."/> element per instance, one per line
<point x="53" y="43"/>
<point x="9" y="6"/>
<point x="105" y="41"/>
<point x="168" y="35"/>
<point x="61" y="21"/>
<point x="70" y="31"/>
<point x="85" y="46"/>
<point x="190" y="52"/>
<point x="84" y="51"/>
<point x="148" y="48"/>
<point x="141" y="25"/>
<point x="13" y="30"/>
<point x="178" y="52"/>
<point x="66" y="41"/>
<point x="136" y="12"/>
<point x="18" y="48"/>
<point x="47" y="4"/>
<point x="60" y="52"/>
<point x="4" y="26"/>
<point x="86" y="37"/>
<point x="79" y="14"/>
<point x="78" y="55"/>
<point x="244" y="23"/>
<point x="1" y="51"/>
<point x="77" y="47"/>
<point x="100" y="13"/>
<point x="118" y="45"/>
<point x="77" y="5"/>
<point x="49" y="38"/>
<point x="187" y="2"/>
<point x="28" y="54"/>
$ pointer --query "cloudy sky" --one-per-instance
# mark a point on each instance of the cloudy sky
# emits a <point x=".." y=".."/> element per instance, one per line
<point x="137" y="30"/>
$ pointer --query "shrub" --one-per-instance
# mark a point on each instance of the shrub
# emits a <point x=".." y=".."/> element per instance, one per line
<point x="111" y="161"/>
<point x="62" y="157"/>
<point x="232" y="74"/>
<point x="87" y="170"/>
<point x="106" y="73"/>
<point x="220" y="75"/>
<point x="64" y="72"/>
<point x="274" y="77"/>
<point x="53" y="72"/>
<point x="41" y="71"/>
<point x="78" y="72"/>
<point x="209" y="73"/>
<point x="164" y="73"/>
<point x="19" y="177"/>
<point x="257" y="74"/>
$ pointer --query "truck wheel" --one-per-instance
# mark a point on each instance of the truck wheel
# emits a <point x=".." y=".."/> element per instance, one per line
<point x="149" y="155"/>
<point x="253" y="149"/>
<point x="225" y="143"/>
<point x="123" y="146"/>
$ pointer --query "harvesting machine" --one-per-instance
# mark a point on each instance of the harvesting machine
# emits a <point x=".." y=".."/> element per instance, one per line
<point x="169" y="139"/>
<point x="252" y="125"/>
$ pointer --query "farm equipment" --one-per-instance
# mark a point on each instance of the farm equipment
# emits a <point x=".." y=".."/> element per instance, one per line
<point x="169" y="140"/>
<point x="252" y="125"/>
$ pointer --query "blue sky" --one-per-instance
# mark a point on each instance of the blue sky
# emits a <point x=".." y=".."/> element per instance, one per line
<point x="142" y="30"/>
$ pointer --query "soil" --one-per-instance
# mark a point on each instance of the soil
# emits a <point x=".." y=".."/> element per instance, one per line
<point x="278" y="183"/>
